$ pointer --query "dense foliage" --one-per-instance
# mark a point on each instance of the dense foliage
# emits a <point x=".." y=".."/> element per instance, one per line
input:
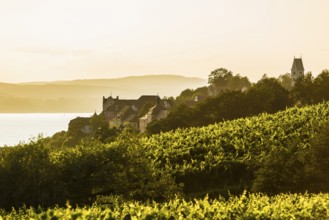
<point x="36" y="174"/>
<point x="270" y="153"/>
<point x="232" y="154"/>
<point x="312" y="90"/>
<point x="223" y="101"/>
<point x="253" y="206"/>
<point x="223" y="79"/>
<point x="266" y="96"/>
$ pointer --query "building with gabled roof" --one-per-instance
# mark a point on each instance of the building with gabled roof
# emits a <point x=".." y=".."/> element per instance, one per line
<point x="297" y="70"/>
<point x="123" y="112"/>
<point x="157" y="112"/>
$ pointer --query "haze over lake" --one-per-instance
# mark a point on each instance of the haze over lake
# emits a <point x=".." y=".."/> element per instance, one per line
<point x="86" y="95"/>
<point x="15" y="128"/>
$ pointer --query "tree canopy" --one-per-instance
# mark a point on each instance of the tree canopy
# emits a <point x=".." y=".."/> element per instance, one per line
<point x="222" y="79"/>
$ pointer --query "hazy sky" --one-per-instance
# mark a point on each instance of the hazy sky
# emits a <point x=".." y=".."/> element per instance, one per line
<point x="70" y="39"/>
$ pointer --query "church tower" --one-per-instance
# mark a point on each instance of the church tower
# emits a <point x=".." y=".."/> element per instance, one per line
<point x="297" y="70"/>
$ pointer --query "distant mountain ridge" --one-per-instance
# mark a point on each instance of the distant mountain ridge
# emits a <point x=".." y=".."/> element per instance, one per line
<point x="85" y="95"/>
<point x="127" y="79"/>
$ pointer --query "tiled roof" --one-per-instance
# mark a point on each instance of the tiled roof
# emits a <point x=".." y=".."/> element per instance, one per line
<point x="123" y="111"/>
<point x="148" y="99"/>
<point x="297" y="64"/>
<point x="128" y="109"/>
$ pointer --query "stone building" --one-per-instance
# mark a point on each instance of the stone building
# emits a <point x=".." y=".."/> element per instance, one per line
<point x="135" y="113"/>
<point x="297" y="70"/>
<point x="80" y="126"/>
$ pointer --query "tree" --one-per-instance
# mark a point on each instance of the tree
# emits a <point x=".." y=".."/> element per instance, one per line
<point x="281" y="171"/>
<point x="27" y="176"/>
<point x="36" y="175"/>
<point x="228" y="105"/>
<point x="219" y="79"/>
<point x="185" y="95"/>
<point x="267" y="95"/>
<point x="181" y="116"/>
<point x="106" y="134"/>
<point x="98" y="121"/>
<point x="189" y="95"/>
<point x="303" y="90"/>
<point x="222" y="79"/>
<point x="285" y="81"/>
<point x="321" y="87"/>
<point x="318" y="161"/>
<point x="201" y="91"/>
<point x="238" y="83"/>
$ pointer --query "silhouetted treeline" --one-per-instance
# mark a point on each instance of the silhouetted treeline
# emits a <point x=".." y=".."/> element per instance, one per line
<point x="311" y="90"/>
<point x="224" y="100"/>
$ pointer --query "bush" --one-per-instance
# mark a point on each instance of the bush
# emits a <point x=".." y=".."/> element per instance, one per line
<point x="282" y="171"/>
<point x="317" y="167"/>
<point x="34" y="174"/>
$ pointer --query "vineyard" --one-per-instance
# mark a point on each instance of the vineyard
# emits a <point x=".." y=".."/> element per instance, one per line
<point x="246" y="139"/>
<point x="253" y="206"/>
<point x="270" y="154"/>
<point x="228" y="153"/>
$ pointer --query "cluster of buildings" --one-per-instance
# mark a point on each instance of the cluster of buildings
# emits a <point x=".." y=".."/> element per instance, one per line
<point x="138" y="113"/>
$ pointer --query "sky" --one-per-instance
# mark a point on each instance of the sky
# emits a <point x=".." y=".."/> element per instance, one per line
<point x="47" y="40"/>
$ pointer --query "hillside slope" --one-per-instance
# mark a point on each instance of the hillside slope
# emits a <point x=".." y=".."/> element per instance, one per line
<point x="86" y="95"/>
<point x="273" y="151"/>
<point x="225" y="156"/>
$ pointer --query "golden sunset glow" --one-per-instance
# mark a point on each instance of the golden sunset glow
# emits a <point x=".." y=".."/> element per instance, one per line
<point x="44" y="40"/>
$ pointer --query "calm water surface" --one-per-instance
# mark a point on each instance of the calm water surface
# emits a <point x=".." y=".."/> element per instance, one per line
<point x="15" y="128"/>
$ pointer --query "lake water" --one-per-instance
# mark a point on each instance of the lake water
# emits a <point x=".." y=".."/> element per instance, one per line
<point x="15" y="128"/>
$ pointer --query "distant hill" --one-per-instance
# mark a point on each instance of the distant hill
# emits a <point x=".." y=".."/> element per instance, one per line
<point x="86" y="95"/>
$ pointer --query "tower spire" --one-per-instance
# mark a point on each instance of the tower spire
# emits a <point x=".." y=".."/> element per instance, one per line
<point x="297" y="69"/>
